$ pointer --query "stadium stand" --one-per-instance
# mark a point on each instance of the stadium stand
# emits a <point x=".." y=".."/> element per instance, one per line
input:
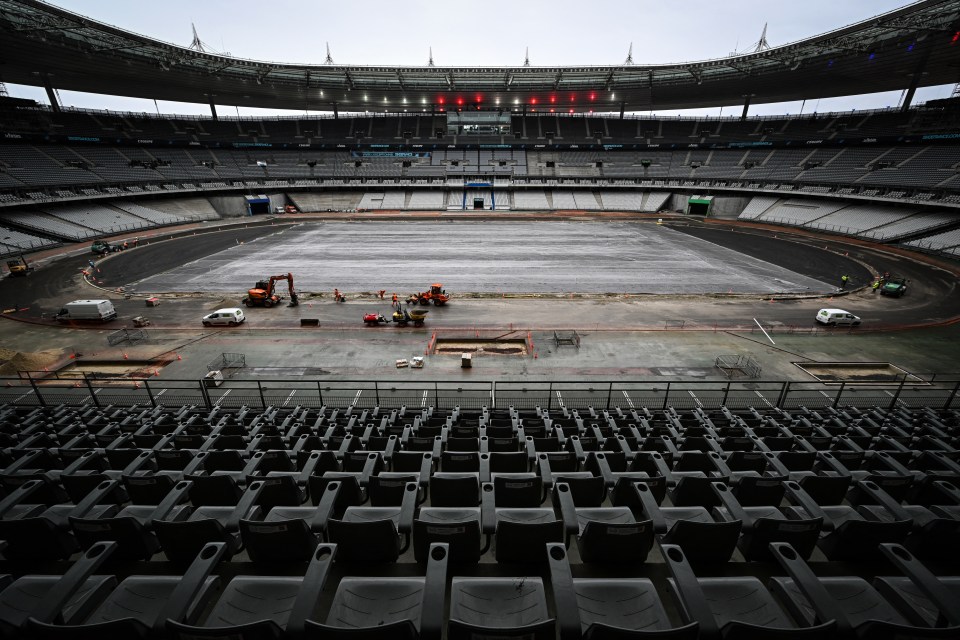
<point x="194" y="508"/>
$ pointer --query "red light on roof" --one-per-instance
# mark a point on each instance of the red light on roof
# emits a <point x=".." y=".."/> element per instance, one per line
<point x="553" y="99"/>
<point x="552" y="110"/>
<point x="459" y="100"/>
<point x="441" y="100"/>
<point x="571" y="110"/>
<point x="479" y="98"/>
<point x="573" y="97"/>
<point x="533" y="101"/>
<point x="593" y="96"/>
<point x="955" y="38"/>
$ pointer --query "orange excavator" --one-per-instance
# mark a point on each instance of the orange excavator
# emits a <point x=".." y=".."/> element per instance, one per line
<point x="436" y="294"/>
<point x="264" y="293"/>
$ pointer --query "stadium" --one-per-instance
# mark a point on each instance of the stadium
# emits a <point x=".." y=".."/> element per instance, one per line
<point x="469" y="352"/>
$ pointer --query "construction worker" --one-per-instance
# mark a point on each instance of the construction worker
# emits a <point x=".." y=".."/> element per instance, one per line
<point x="336" y="295"/>
<point x="876" y="285"/>
<point x="396" y="302"/>
<point x="843" y="281"/>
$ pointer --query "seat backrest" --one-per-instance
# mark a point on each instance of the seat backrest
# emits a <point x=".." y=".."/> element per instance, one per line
<point x="387" y="492"/>
<point x="463" y="538"/>
<point x="148" y="489"/>
<point x="512" y="462"/>
<point x="826" y="490"/>
<point x="214" y="491"/>
<point x="586" y="491"/>
<point x="134" y="541"/>
<point x="518" y="492"/>
<point x="287" y="541"/>
<point x="802" y="535"/>
<point x="526" y="541"/>
<point x="859" y="540"/>
<point x="460" y="462"/>
<point x="707" y="542"/>
<point x="370" y="541"/>
<point x="616" y="542"/>
<point x="454" y="491"/>
<point x="182" y="541"/>
<point x="753" y="491"/>
<point x="33" y="539"/>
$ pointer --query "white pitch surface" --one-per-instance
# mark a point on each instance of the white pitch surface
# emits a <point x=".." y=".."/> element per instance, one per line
<point x="486" y="257"/>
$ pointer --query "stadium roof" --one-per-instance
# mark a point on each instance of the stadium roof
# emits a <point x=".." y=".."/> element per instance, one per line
<point x="916" y="45"/>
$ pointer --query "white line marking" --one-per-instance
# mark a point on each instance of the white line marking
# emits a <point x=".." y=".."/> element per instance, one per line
<point x="765" y="333"/>
<point x="629" y="401"/>
<point x="220" y="399"/>
<point x="423" y="400"/>
<point x="762" y="397"/>
<point x="159" y="393"/>
<point x="560" y="399"/>
<point x="695" y="398"/>
<point x="356" y="398"/>
<point x="24" y="396"/>
<point x="288" y="398"/>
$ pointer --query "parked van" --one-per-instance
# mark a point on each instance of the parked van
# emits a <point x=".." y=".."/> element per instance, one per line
<point x="833" y="317"/>
<point x="100" y="310"/>
<point x="231" y="316"/>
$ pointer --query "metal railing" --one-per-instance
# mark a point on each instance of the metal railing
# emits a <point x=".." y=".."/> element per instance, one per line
<point x="938" y="391"/>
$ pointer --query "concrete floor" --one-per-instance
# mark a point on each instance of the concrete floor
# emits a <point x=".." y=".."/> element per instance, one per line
<point x="623" y="338"/>
<point x="487" y="257"/>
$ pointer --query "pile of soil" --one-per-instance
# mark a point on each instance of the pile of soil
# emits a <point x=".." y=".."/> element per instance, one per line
<point x="14" y="361"/>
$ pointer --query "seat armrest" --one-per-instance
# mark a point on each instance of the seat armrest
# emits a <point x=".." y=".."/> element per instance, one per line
<point x="408" y="507"/>
<point x="303" y="477"/>
<point x="688" y="590"/>
<point x="778" y="467"/>
<point x="546" y="475"/>
<point x="189" y="586"/>
<point x="732" y="505"/>
<point x="250" y="468"/>
<point x="300" y="443"/>
<point x="143" y="459"/>
<point x="175" y="496"/>
<point x="608" y="478"/>
<point x="434" y="592"/>
<point x="484" y="471"/>
<point x="195" y="465"/>
<point x="824" y="605"/>
<point x="312" y="586"/>
<point x="51" y="605"/>
<point x="720" y="463"/>
<point x="93" y="498"/>
<point x="488" y="508"/>
<point x="928" y="584"/>
<point x="81" y="462"/>
<point x="369" y="466"/>
<point x="827" y="459"/>
<point x="327" y="503"/>
<point x="568" y="510"/>
<point x="650" y="507"/>
<point x="564" y="594"/>
<point x="884" y="499"/>
<point x="246" y="502"/>
<point x="798" y="496"/>
<point x="19" y="494"/>
<point x="426" y="469"/>
<point x="392" y="446"/>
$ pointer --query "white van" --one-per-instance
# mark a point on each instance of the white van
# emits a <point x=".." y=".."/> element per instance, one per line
<point x="833" y="317"/>
<point x="231" y="316"/>
<point x="100" y="310"/>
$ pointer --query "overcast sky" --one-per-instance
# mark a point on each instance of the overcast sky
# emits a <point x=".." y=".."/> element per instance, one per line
<point x="557" y="32"/>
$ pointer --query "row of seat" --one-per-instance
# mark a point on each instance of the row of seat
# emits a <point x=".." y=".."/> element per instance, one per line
<point x="82" y="604"/>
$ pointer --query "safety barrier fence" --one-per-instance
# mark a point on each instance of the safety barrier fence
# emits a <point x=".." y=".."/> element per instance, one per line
<point x="937" y="391"/>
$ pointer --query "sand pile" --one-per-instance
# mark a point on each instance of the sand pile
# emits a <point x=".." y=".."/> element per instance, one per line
<point x="14" y="361"/>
